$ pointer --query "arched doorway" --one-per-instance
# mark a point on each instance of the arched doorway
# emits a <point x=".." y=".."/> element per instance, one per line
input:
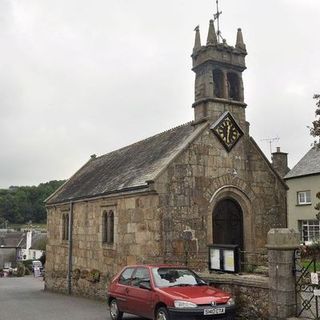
<point x="227" y="223"/>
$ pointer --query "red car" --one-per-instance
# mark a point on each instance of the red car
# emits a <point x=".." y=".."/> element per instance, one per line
<point x="163" y="292"/>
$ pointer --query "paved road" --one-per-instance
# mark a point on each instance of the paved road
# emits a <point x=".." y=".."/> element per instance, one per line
<point x="24" y="299"/>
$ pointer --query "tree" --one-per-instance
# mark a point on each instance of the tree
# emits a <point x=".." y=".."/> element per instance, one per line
<point x="24" y="204"/>
<point x="315" y="128"/>
<point x="317" y="206"/>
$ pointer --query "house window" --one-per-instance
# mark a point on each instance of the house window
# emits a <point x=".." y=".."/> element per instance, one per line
<point x="304" y="197"/>
<point x="65" y="226"/>
<point x="108" y="224"/>
<point x="309" y="230"/>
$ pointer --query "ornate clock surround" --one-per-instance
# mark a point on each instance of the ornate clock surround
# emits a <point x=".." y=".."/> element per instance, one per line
<point x="227" y="131"/>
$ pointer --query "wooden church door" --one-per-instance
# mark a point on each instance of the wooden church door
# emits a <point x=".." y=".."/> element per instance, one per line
<point x="227" y="223"/>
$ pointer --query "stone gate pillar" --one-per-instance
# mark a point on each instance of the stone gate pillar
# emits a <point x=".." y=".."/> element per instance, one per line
<point x="282" y="295"/>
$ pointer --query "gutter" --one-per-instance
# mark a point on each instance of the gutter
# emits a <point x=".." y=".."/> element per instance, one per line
<point x="124" y="192"/>
<point x="70" y="227"/>
<point x="302" y="176"/>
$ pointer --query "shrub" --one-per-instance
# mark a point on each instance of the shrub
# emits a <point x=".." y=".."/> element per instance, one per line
<point x="312" y="250"/>
<point x="21" y="269"/>
<point x="84" y="274"/>
<point x="27" y="264"/>
<point x="94" y="276"/>
<point x="27" y="272"/>
<point x="76" y="274"/>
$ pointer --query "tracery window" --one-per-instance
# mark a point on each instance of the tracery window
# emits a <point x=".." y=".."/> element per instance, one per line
<point x="65" y="226"/>
<point x="108" y="227"/>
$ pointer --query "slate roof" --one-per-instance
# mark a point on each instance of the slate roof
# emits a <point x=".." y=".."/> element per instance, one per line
<point x="12" y="239"/>
<point x="19" y="239"/>
<point x="128" y="168"/>
<point x="308" y="165"/>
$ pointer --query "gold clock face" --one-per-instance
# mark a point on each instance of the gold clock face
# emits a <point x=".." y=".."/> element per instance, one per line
<point x="228" y="131"/>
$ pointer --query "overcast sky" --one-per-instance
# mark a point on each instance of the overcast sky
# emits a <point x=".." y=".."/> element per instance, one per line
<point x="79" y="77"/>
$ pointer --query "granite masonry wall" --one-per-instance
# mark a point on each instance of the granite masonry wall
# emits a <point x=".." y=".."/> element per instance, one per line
<point x="199" y="178"/>
<point x="137" y="240"/>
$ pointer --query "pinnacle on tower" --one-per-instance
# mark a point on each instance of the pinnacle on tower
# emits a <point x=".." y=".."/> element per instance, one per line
<point x="197" y="42"/>
<point x="212" y="37"/>
<point x="240" y="44"/>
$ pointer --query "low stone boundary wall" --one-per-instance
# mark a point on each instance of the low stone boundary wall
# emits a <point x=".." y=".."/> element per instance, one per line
<point x="250" y="291"/>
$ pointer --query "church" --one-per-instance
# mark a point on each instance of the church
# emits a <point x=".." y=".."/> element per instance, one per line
<point x="167" y="198"/>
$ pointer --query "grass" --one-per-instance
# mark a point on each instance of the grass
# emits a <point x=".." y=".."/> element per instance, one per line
<point x="305" y="263"/>
<point x="35" y="226"/>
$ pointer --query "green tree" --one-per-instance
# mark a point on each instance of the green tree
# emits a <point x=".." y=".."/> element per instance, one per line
<point x="315" y="128"/>
<point x="317" y="206"/>
<point x="24" y="204"/>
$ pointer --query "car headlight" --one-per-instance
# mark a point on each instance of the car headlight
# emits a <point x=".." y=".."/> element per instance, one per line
<point x="231" y="302"/>
<point x="184" y="304"/>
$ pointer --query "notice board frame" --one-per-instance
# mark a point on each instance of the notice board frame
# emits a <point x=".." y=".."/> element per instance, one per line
<point x="224" y="258"/>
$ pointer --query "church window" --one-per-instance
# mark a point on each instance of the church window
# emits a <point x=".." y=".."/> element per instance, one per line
<point x="233" y="86"/>
<point x="65" y="226"/>
<point x="108" y="224"/>
<point x="304" y="197"/>
<point x="218" y="83"/>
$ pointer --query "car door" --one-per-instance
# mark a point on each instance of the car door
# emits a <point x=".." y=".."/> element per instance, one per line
<point x="141" y="299"/>
<point x="122" y="289"/>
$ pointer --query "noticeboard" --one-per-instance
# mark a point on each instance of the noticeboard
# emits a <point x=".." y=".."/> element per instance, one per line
<point x="225" y="258"/>
<point x="37" y="272"/>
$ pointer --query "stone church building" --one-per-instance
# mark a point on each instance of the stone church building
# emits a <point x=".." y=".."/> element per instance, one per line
<point x="168" y="197"/>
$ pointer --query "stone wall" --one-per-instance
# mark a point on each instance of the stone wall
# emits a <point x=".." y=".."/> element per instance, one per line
<point x="137" y="240"/>
<point x="204" y="174"/>
<point x="251" y="293"/>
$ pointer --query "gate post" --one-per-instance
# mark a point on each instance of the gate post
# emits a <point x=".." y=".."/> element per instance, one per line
<point x="282" y="294"/>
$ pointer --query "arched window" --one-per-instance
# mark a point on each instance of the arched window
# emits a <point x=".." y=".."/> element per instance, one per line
<point x="108" y="234"/>
<point x="65" y="226"/>
<point x="233" y="86"/>
<point x="218" y="83"/>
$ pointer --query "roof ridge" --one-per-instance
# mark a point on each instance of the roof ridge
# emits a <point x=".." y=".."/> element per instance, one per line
<point x="142" y="140"/>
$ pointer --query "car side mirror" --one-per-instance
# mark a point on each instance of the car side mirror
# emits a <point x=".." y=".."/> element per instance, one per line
<point x="145" y="285"/>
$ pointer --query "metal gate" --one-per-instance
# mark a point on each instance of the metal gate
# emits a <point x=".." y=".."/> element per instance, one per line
<point x="307" y="288"/>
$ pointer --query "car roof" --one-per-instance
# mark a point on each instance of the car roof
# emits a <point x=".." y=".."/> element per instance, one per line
<point x="156" y="266"/>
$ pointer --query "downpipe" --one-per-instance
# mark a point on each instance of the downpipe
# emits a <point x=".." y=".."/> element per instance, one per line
<point x="70" y="227"/>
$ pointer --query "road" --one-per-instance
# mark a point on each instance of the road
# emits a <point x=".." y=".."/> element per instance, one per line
<point x="25" y="299"/>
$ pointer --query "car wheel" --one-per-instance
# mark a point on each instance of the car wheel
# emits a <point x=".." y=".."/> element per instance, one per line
<point x="115" y="313"/>
<point x="162" y="314"/>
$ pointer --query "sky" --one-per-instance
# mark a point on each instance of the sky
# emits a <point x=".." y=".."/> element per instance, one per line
<point x="82" y="77"/>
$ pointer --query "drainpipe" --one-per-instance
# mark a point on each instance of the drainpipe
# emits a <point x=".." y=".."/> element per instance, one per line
<point x="70" y="227"/>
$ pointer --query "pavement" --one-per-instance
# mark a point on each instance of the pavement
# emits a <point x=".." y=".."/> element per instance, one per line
<point x="25" y="299"/>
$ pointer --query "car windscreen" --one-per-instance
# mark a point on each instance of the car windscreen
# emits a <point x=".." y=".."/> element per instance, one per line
<point x="175" y="277"/>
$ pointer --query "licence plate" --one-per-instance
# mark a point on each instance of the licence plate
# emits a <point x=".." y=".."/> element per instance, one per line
<point x="212" y="311"/>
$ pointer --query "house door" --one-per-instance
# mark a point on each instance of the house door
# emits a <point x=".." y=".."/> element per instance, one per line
<point x="227" y="223"/>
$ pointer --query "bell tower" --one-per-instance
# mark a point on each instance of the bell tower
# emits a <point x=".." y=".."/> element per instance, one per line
<point x="218" y="82"/>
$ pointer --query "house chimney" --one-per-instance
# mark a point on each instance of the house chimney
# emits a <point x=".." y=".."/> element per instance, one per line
<point x="29" y="239"/>
<point x="280" y="162"/>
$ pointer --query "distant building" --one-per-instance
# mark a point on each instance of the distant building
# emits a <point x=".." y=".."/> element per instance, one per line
<point x="304" y="183"/>
<point x="173" y="194"/>
<point x="25" y="243"/>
